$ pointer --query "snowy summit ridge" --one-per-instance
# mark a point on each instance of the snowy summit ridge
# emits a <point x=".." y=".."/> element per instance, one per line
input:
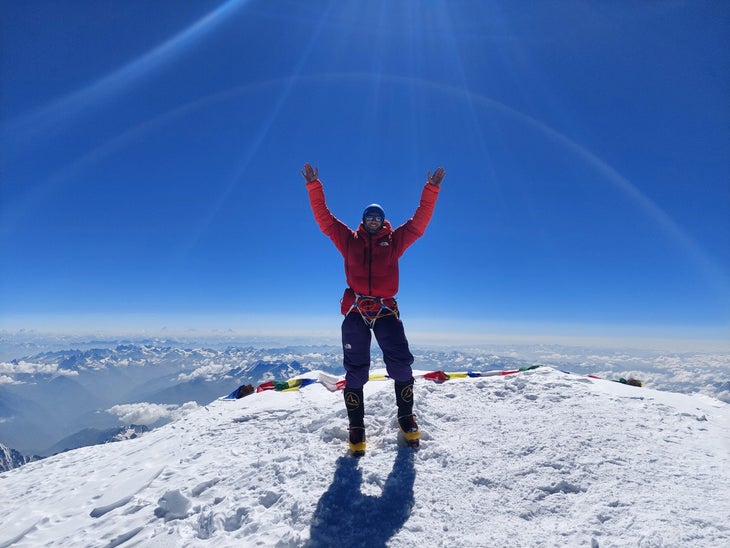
<point x="540" y="458"/>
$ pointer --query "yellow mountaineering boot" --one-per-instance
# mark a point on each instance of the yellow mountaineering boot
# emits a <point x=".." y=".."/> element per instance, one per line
<point x="410" y="430"/>
<point x="357" y="441"/>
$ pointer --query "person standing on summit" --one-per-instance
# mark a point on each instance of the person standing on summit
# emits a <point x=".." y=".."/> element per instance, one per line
<point x="371" y="256"/>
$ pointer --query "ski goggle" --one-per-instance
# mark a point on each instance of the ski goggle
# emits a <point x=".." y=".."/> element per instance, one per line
<point x="374" y="218"/>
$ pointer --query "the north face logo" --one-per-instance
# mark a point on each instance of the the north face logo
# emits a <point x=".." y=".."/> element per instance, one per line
<point x="383" y="244"/>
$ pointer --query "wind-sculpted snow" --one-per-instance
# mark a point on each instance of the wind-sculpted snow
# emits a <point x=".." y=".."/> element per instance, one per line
<point x="539" y="458"/>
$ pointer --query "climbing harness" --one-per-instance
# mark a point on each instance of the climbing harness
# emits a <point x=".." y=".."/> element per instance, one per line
<point x="372" y="309"/>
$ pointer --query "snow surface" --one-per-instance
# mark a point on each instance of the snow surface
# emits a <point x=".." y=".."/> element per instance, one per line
<point x="540" y="458"/>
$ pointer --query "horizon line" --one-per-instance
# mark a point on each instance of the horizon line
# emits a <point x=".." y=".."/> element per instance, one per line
<point x="320" y="329"/>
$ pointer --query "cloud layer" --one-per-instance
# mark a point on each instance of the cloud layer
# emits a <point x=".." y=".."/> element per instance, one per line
<point x="145" y="413"/>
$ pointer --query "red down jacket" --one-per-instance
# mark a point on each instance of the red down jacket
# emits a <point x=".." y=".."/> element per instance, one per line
<point x="371" y="260"/>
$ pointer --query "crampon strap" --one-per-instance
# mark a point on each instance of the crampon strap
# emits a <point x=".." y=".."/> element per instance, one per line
<point x="374" y="308"/>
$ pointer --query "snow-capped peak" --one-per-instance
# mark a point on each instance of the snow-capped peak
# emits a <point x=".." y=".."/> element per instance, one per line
<point x="540" y="458"/>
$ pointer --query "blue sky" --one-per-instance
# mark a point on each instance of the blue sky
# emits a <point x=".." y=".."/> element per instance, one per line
<point x="152" y="150"/>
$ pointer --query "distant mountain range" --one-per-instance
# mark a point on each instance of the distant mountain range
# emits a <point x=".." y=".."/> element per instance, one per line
<point x="58" y="400"/>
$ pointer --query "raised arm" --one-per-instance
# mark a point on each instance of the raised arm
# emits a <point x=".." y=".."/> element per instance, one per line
<point x="423" y="213"/>
<point x="331" y="226"/>
<point x="415" y="227"/>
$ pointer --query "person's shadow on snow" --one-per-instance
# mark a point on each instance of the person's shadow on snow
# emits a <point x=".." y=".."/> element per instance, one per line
<point x="346" y="517"/>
